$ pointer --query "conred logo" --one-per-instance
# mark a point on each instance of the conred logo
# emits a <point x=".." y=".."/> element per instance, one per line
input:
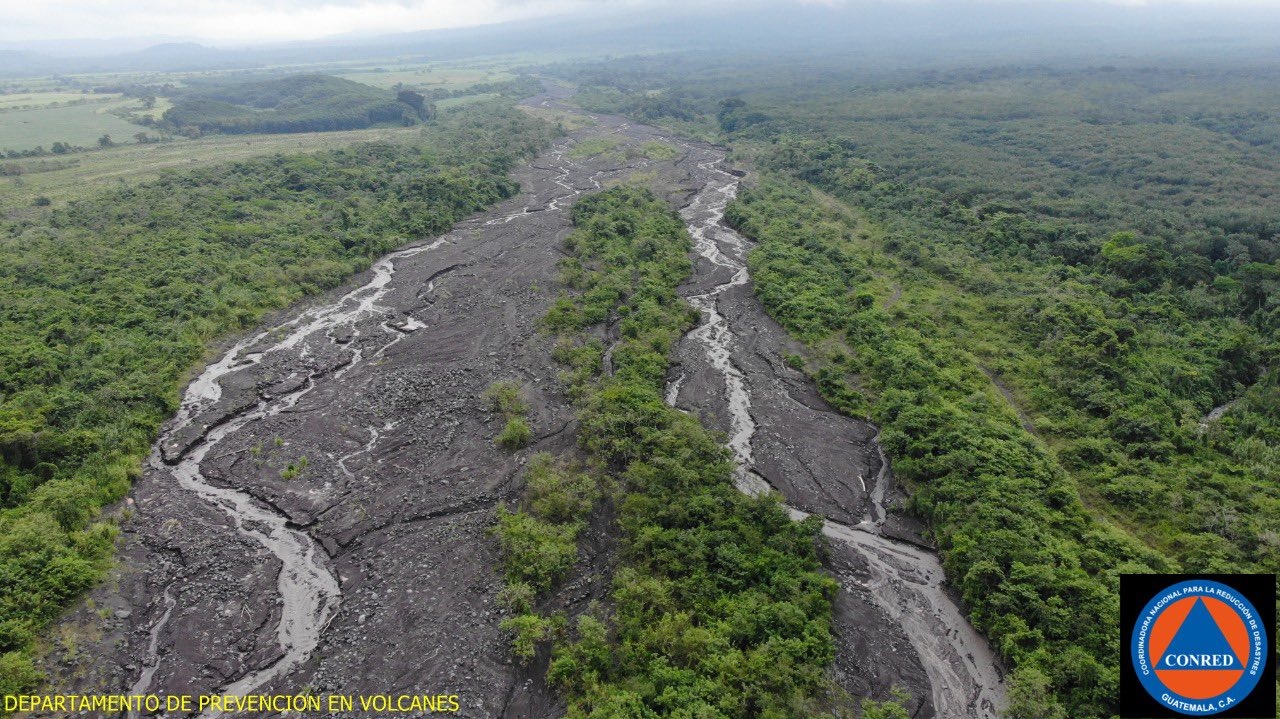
<point x="1199" y="647"/>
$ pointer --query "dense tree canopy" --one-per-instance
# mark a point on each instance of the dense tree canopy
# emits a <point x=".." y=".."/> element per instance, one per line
<point x="297" y="103"/>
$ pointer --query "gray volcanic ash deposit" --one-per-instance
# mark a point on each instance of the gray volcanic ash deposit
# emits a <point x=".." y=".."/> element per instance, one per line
<point x="315" y="516"/>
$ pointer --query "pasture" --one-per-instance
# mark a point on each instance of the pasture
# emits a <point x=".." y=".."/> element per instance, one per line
<point x="88" y="171"/>
<point x="423" y="77"/>
<point x="74" y="124"/>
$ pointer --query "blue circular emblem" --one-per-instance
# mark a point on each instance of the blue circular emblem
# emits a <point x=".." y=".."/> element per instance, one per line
<point x="1199" y="647"/>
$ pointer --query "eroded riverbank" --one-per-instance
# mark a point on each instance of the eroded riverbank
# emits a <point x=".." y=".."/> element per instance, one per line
<point x="315" y="515"/>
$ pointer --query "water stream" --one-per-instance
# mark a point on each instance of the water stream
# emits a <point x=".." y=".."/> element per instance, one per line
<point x="152" y="661"/>
<point x="308" y="589"/>
<point x="905" y="580"/>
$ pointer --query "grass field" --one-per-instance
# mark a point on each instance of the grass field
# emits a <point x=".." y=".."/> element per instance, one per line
<point x="130" y="163"/>
<point x="567" y="120"/>
<point x="81" y="81"/>
<point x="77" y="174"/>
<point x="594" y="147"/>
<point x="464" y="100"/>
<point x="33" y="100"/>
<point x="156" y="112"/>
<point x="76" y="124"/>
<point x="41" y="123"/>
<point x="423" y="77"/>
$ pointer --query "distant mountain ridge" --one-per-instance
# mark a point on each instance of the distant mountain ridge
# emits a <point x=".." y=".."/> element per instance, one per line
<point x="894" y="32"/>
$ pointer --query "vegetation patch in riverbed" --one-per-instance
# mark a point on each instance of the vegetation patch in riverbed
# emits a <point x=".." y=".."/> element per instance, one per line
<point x="719" y="607"/>
<point x="506" y="399"/>
<point x="594" y="147"/>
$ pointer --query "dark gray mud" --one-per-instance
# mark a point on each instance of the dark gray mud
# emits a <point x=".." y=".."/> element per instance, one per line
<point x="366" y="568"/>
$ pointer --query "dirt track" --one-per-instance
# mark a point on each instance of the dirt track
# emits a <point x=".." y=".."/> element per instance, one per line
<point x="367" y="569"/>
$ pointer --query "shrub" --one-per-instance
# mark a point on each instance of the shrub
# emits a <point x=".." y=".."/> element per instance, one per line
<point x="507" y="397"/>
<point x="535" y="552"/>
<point x="515" y="434"/>
<point x="558" y="493"/>
<point x="719" y="609"/>
<point x="527" y="630"/>
<point x="1009" y="522"/>
<point x="83" y="397"/>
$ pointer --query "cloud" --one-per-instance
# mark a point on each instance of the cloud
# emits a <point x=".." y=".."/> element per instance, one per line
<point x="252" y="21"/>
<point x="228" y="21"/>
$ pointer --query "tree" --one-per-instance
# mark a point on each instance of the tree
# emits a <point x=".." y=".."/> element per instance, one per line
<point x="1259" y="281"/>
<point x="1031" y="696"/>
<point x="105" y="141"/>
<point x="892" y="709"/>
<point x="415" y="100"/>
<point x="733" y="115"/>
<point x="1138" y="260"/>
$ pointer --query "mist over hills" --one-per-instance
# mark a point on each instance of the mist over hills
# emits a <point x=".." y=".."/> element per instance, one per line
<point x="889" y="33"/>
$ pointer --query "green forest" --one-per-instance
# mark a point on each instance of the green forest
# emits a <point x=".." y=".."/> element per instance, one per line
<point x="296" y="103"/>
<point x="108" y="303"/>
<point x="1039" y="282"/>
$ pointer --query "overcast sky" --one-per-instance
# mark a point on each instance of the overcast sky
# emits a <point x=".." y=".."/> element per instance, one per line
<point x="247" y="21"/>
<point x="240" y="21"/>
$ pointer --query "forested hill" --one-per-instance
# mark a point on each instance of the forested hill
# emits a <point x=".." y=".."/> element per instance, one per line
<point x="1057" y="290"/>
<point x="297" y="103"/>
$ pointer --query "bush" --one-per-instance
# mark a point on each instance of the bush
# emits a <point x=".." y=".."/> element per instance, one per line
<point x="535" y="552"/>
<point x="558" y="493"/>
<point x="17" y="674"/>
<point x="527" y="631"/>
<point x="507" y="397"/>
<point x="515" y="434"/>
<point x="517" y="597"/>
